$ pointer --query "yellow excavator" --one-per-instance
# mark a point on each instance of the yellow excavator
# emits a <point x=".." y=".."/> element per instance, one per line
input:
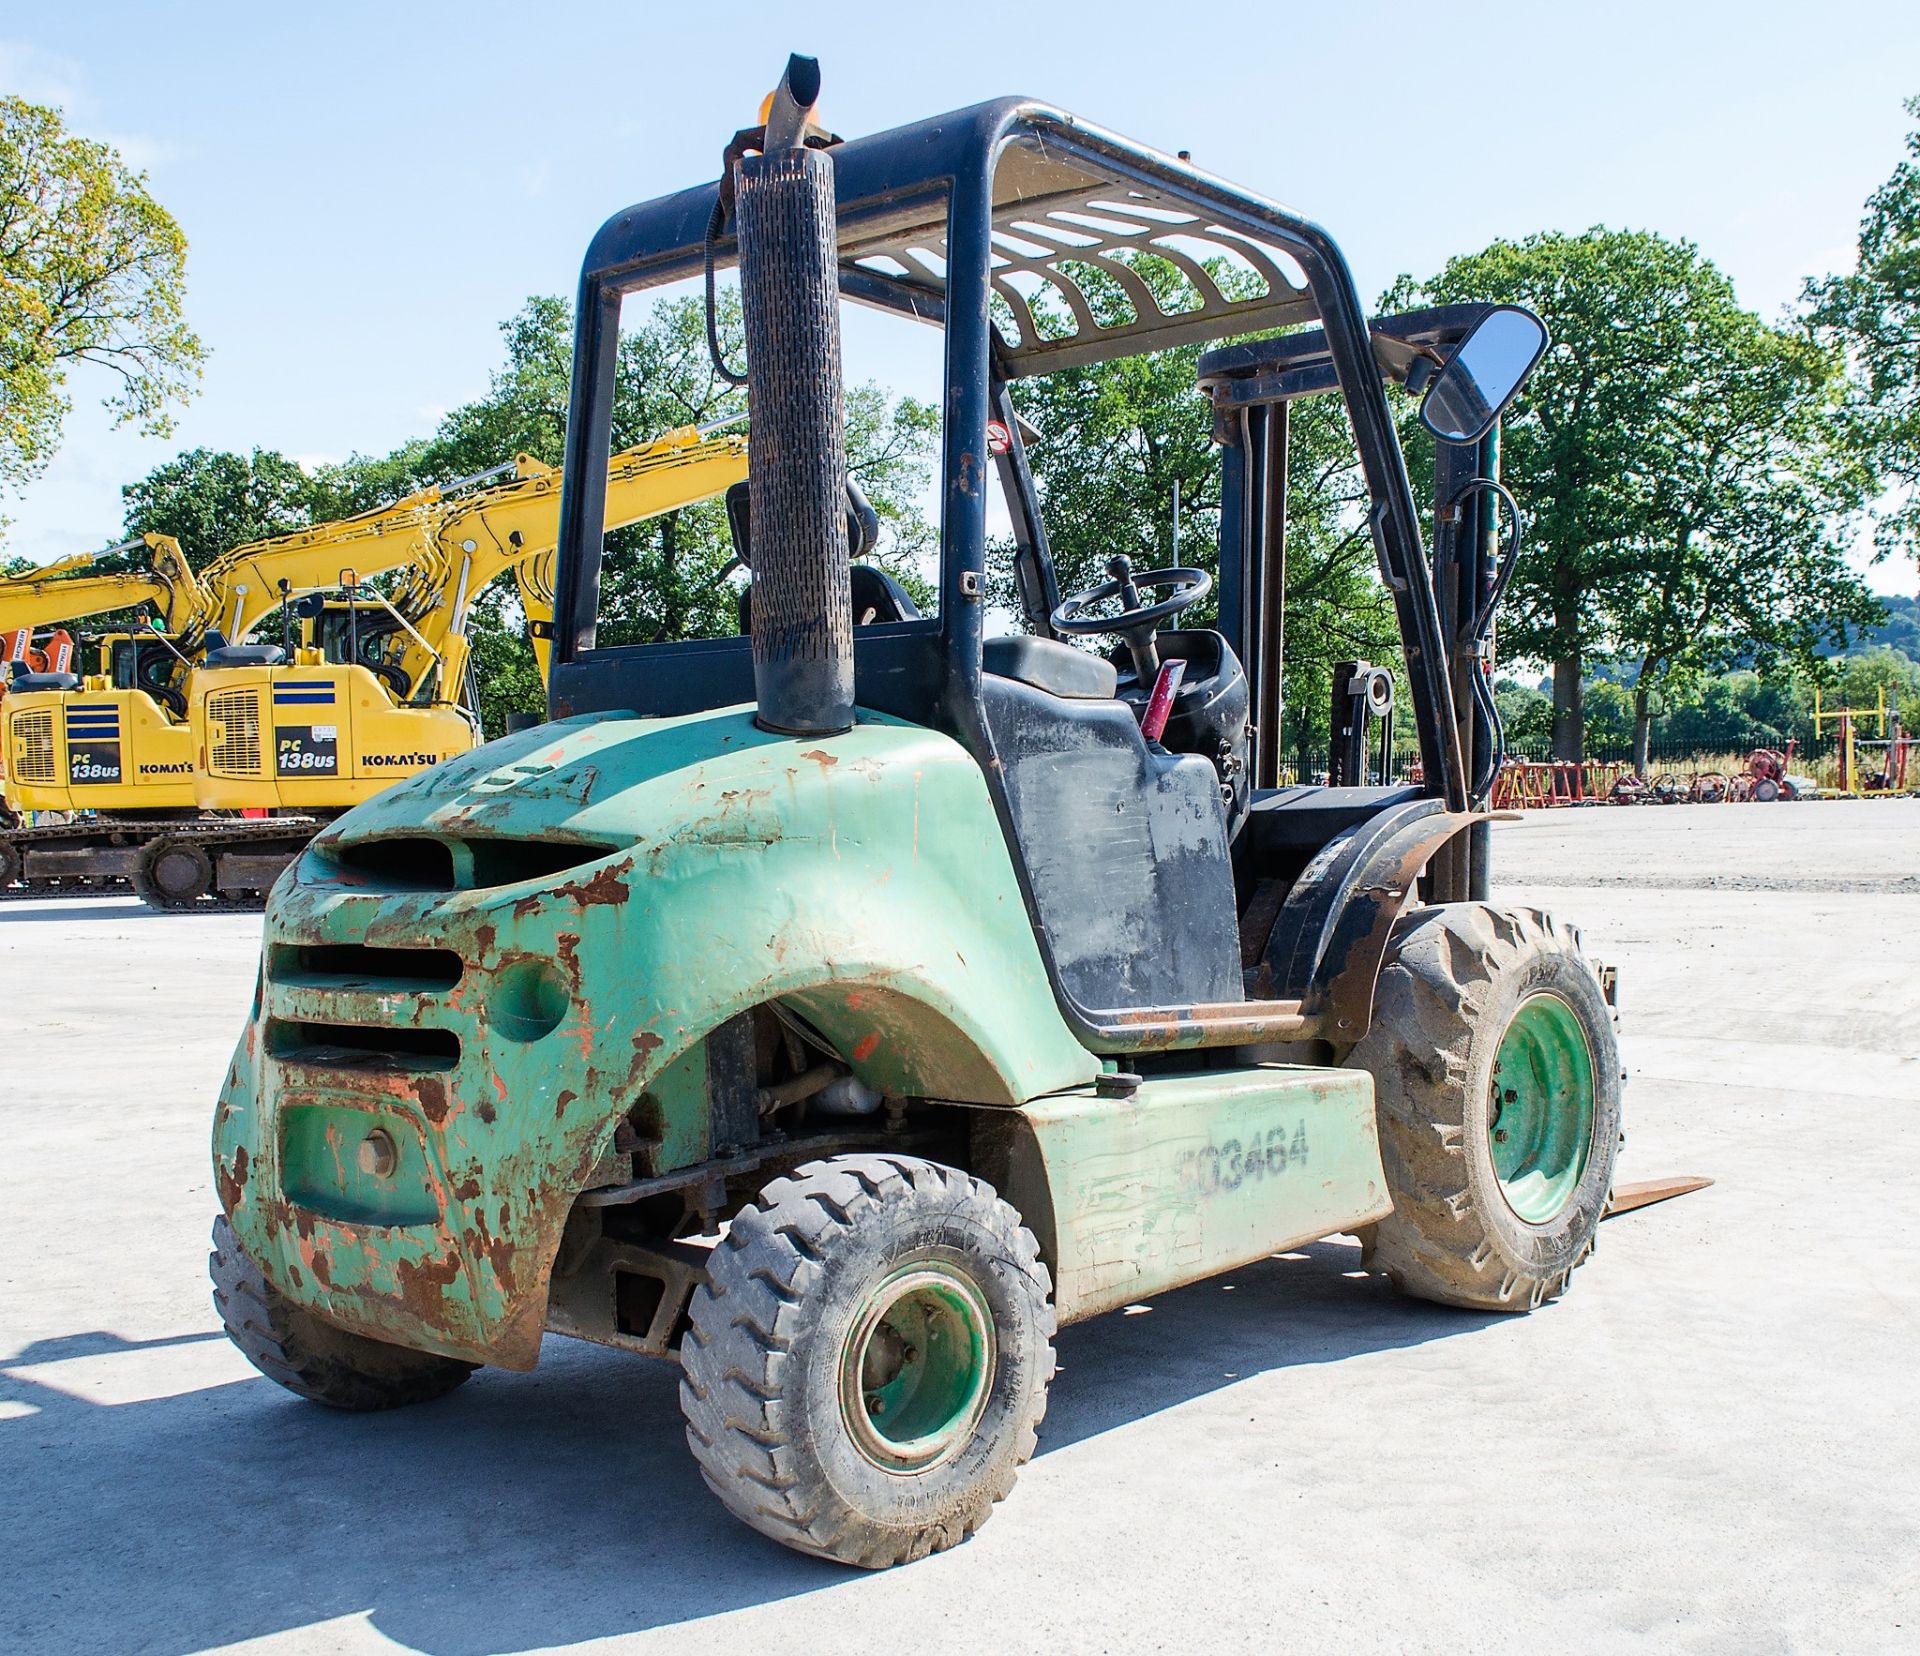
<point x="113" y="749"/>
<point x="71" y="589"/>
<point x="319" y="726"/>
<point x="374" y="689"/>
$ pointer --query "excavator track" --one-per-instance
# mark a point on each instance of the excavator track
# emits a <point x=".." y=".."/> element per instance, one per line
<point x="176" y="866"/>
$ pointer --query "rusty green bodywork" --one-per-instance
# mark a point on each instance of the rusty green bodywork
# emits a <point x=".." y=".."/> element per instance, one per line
<point x="862" y="879"/>
<point x="692" y="869"/>
<point x="1192" y="1175"/>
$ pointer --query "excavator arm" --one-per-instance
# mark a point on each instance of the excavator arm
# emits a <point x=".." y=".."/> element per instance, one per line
<point x="515" y="527"/>
<point x="61" y="592"/>
<point x="245" y="584"/>
<point x="534" y="577"/>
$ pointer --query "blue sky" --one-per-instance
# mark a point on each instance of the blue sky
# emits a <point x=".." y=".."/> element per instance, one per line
<point x="370" y="190"/>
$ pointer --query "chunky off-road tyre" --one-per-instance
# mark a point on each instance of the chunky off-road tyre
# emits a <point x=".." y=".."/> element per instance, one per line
<point x="868" y="1360"/>
<point x="1498" y="1082"/>
<point x="311" y="1358"/>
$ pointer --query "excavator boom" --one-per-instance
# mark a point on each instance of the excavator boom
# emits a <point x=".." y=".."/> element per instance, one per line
<point x="246" y="584"/>
<point x="59" y="592"/>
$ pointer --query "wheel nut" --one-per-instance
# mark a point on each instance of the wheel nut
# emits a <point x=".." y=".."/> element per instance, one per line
<point x="378" y="1157"/>
<point x="1500" y="1136"/>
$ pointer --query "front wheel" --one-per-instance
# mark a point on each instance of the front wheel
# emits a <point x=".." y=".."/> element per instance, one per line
<point x="867" y="1362"/>
<point x="1497" y="1079"/>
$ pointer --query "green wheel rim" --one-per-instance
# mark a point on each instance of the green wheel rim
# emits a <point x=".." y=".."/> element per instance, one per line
<point x="917" y="1367"/>
<point x="1540" y="1117"/>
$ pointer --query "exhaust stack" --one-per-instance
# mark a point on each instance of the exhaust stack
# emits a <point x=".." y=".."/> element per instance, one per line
<point x="797" y="464"/>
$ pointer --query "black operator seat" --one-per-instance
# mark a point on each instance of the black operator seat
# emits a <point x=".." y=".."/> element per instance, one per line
<point x="1125" y="845"/>
<point x="877" y="599"/>
<point x="1047" y="664"/>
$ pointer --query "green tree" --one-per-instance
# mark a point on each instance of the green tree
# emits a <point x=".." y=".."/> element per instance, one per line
<point x="664" y="579"/>
<point x="1740" y="548"/>
<point x="1874" y="314"/>
<point x="211" y="501"/>
<point x="1609" y="708"/>
<point x="1738" y="711"/>
<point x="92" y="271"/>
<point x="1677" y="461"/>
<point x="1526" y="714"/>
<point x="1862" y="678"/>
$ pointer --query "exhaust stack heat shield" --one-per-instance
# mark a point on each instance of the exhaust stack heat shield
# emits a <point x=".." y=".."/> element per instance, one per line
<point x="797" y="465"/>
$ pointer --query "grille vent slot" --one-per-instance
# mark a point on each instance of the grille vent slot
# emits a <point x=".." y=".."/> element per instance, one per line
<point x="354" y="1046"/>
<point x="235" y="751"/>
<point x="415" y="863"/>
<point x="362" y="966"/>
<point x="33" y="746"/>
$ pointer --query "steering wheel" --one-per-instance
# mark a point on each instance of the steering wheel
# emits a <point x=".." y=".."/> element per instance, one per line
<point x="1137" y="622"/>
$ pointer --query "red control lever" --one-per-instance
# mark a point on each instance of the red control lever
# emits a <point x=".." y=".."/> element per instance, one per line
<point x="1160" y="703"/>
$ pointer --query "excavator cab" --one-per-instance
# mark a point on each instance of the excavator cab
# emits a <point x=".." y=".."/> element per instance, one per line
<point x="299" y="727"/>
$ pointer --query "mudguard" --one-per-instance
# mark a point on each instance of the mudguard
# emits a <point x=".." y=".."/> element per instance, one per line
<point x="1327" y="945"/>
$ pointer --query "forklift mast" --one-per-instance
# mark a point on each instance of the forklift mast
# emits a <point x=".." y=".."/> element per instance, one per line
<point x="1253" y="388"/>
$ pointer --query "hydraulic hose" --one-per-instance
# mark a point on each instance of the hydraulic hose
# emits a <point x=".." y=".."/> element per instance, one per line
<point x="1480" y="632"/>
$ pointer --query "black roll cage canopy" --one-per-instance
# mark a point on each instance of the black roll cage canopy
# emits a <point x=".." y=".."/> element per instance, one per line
<point x="935" y="217"/>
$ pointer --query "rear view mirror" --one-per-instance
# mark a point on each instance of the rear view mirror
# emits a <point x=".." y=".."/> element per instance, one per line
<point x="1491" y="364"/>
<point x="311" y="606"/>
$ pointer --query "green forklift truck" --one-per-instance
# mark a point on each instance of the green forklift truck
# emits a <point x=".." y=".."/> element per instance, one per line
<point x="838" y="1007"/>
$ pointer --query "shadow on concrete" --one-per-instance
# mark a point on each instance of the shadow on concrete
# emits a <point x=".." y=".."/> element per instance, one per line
<point x="525" y="1509"/>
<point x="114" y="906"/>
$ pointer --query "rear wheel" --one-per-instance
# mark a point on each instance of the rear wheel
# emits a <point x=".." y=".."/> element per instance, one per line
<point x="867" y="1363"/>
<point x="1497" y="1077"/>
<point x="312" y="1358"/>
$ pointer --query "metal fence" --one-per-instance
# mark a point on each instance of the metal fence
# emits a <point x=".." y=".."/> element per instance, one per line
<point x="1818" y="760"/>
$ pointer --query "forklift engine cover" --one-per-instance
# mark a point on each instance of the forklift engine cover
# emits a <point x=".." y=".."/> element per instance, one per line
<point x="428" y="962"/>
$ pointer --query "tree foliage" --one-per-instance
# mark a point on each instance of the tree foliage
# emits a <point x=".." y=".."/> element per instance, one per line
<point x="210" y="500"/>
<point x="92" y="271"/>
<point x="1680" y="463"/>
<point x="665" y="579"/>
<point x="1874" y="315"/>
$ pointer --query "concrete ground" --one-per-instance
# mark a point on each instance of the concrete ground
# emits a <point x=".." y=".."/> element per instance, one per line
<point x="1712" y="1444"/>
